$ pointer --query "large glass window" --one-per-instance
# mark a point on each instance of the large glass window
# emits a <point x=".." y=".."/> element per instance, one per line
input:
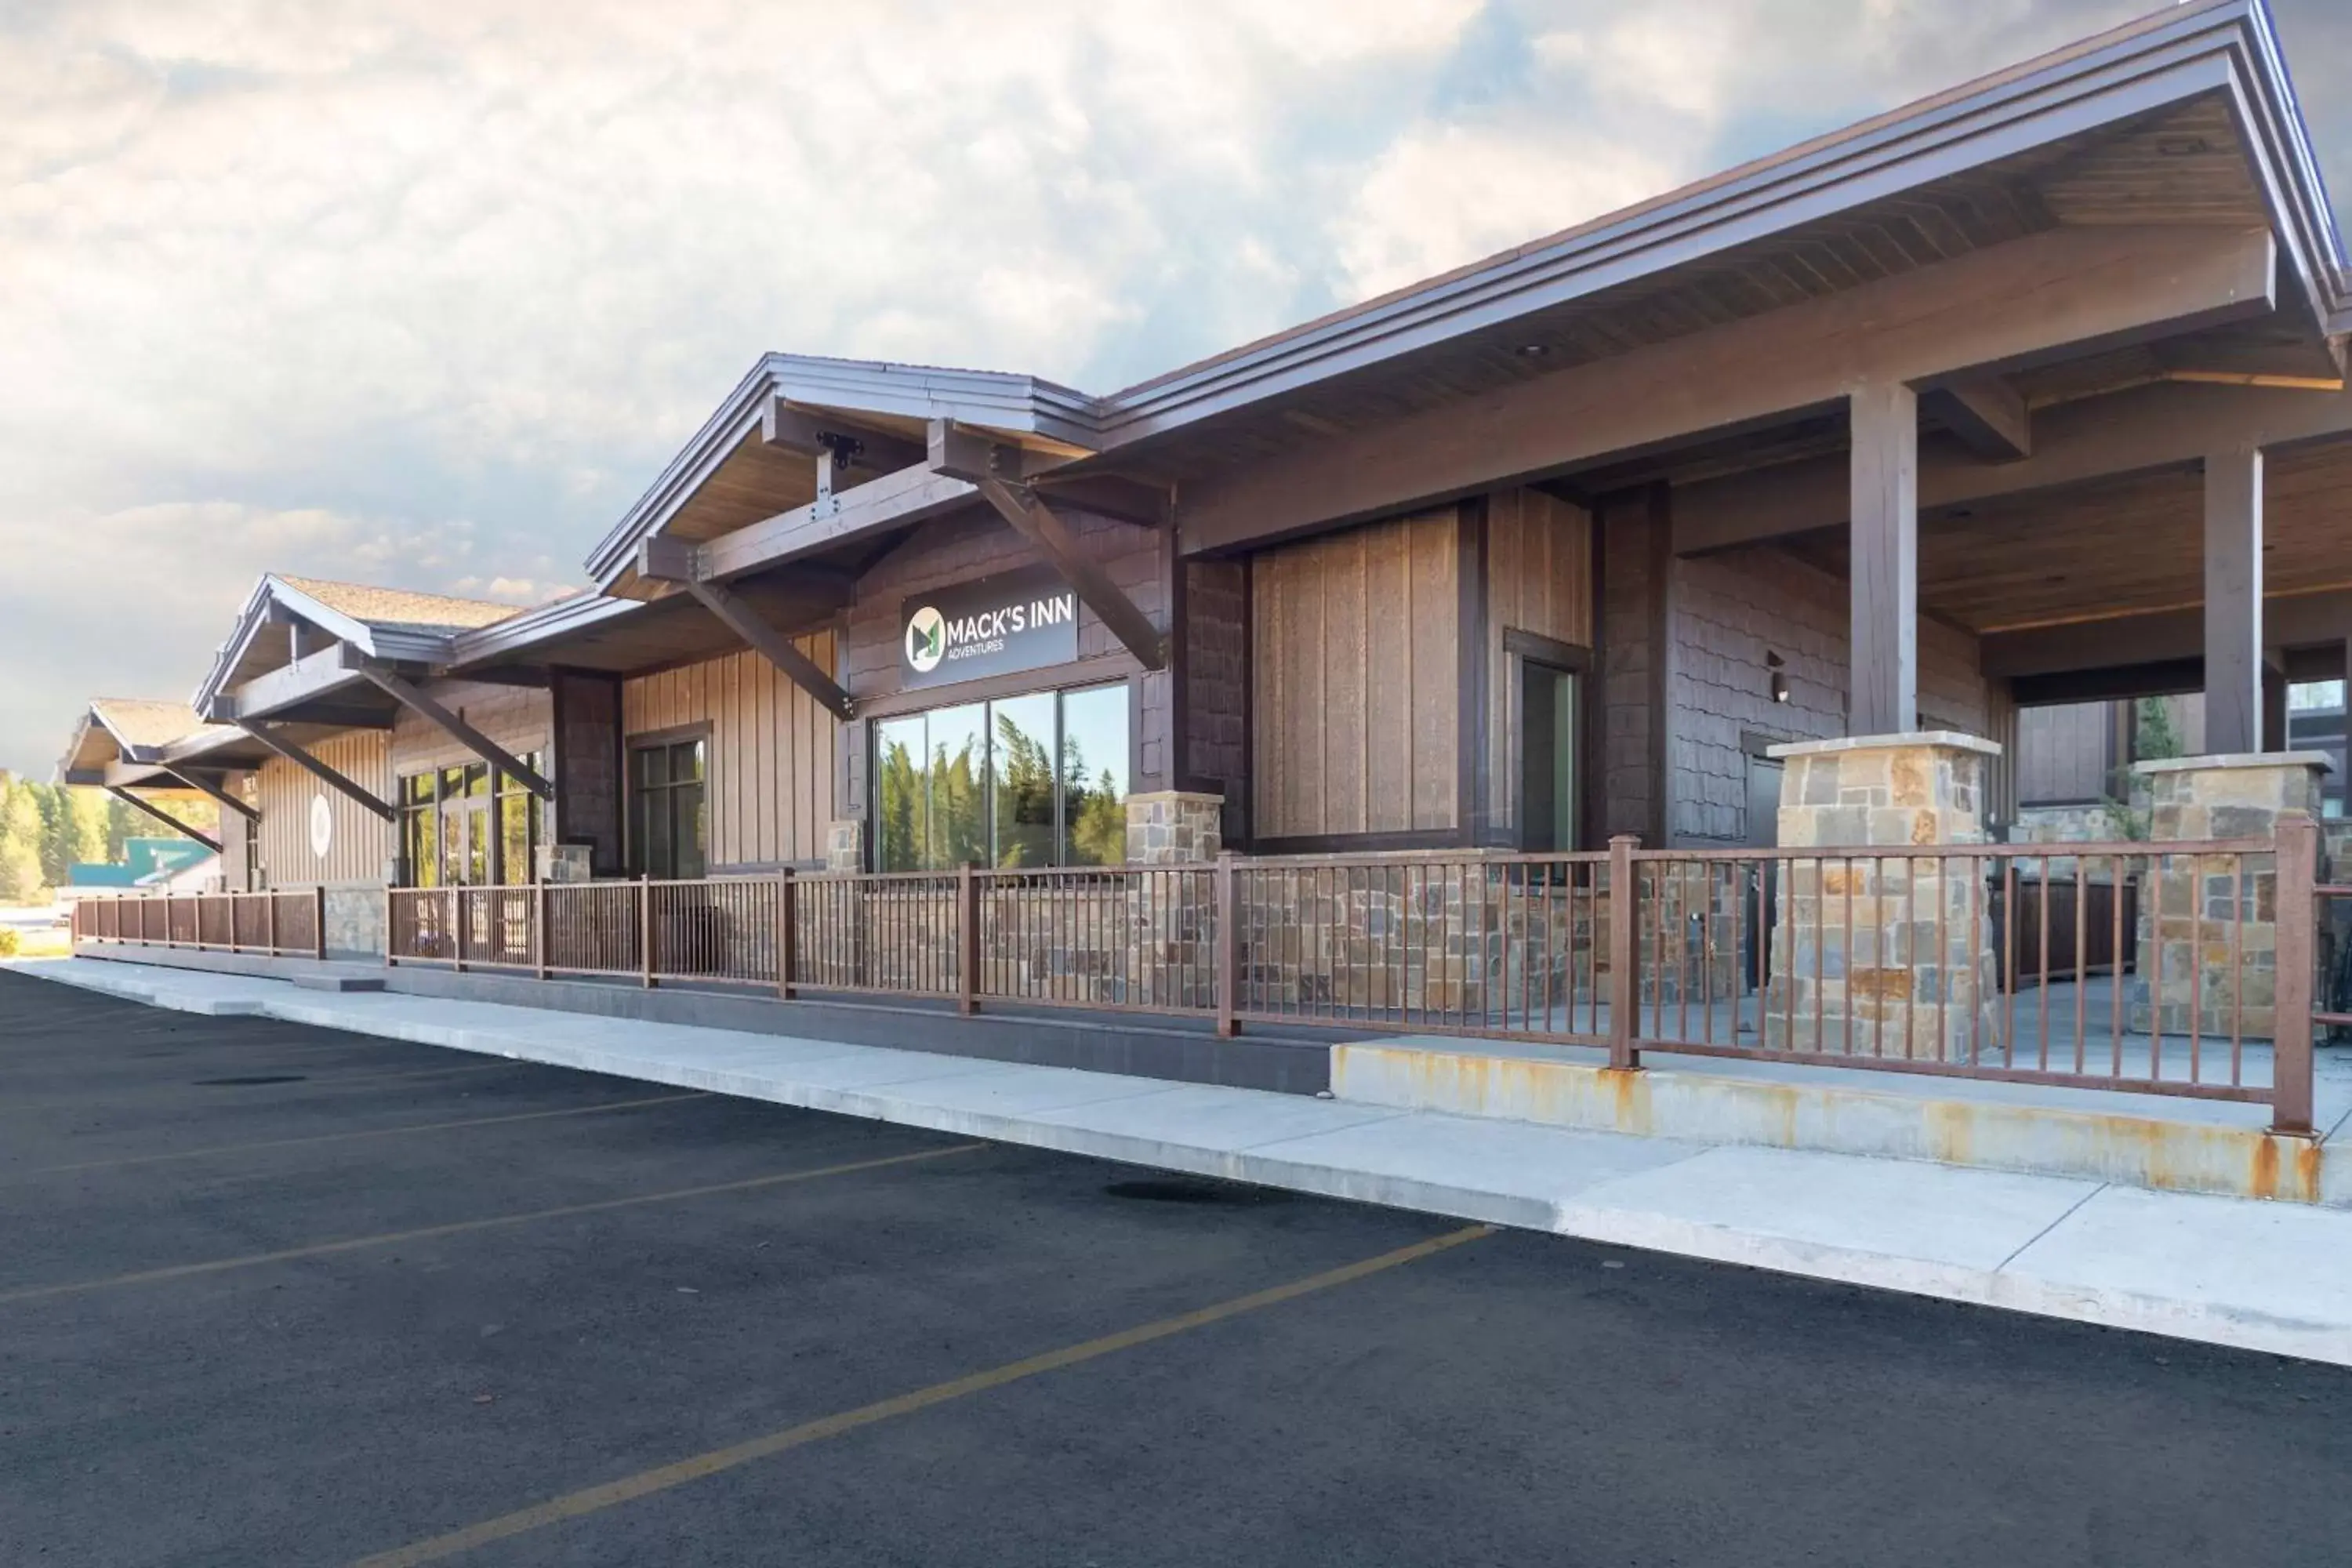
<point x="466" y="826"/>
<point x="1034" y="780"/>
<point x="668" y="809"/>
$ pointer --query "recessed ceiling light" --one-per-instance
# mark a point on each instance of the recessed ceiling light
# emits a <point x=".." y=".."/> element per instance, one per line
<point x="1534" y="351"/>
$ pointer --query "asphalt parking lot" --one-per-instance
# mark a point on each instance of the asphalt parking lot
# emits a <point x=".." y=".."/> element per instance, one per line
<point x="277" y="1295"/>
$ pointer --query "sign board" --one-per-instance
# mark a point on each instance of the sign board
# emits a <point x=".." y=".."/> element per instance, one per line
<point x="322" y="826"/>
<point x="994" y="625"/>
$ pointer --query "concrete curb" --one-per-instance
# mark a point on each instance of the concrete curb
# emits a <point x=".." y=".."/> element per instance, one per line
<point x="2006" y="1289"/>
<point x="2155" y="1152"/>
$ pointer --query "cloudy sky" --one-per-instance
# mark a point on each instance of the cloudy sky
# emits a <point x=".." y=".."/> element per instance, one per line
<point x="424" y="295"/>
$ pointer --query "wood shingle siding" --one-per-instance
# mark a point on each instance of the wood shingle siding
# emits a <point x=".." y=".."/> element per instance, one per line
<point x="1356" y="659"/>
<point x="770" y="762"/>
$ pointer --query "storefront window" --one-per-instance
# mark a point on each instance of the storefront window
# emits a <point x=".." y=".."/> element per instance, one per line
<point x="1035" y="780"/>
<point x="465" y="826"/>
<point x="1094" y="777"/>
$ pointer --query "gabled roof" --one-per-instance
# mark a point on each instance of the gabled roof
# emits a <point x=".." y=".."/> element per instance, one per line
<point x="906" y="396"/>
<point x="384" y="609"/>
<point x="131" y="731"/>
<point x="391" y="624"/>
<point x="140" y="724"/>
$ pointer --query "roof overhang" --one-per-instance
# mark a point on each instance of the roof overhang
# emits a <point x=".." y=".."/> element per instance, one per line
<point x="896" y="399"/>
<point x="2166" y="59"/>
<point x="257" y="649"/>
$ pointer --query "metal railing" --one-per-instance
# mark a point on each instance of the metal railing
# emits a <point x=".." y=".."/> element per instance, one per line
<point x="2173" y="968"/>
<point x="279" y="924"/>
<point x="1987" y="960"/>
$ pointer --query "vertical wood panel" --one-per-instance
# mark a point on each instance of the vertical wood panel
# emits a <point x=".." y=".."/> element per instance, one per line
<point x="361" y="842"/>
<point x="1388" y="701"/>
<point x="1540" y="580"/>
<point x="1356" y="680"/>
<point x="772" y="758"/>
<point x="1436" y="655"/>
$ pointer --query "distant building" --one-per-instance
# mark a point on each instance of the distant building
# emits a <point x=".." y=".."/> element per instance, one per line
<point x="151" y="865"/>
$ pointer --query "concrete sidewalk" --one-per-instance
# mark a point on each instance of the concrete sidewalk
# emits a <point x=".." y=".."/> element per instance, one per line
<point x="2261" y="1276"/>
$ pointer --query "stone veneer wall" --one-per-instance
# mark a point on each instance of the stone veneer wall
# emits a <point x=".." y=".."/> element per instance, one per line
<point x="355" y="919"/>
<point x="1896" y="954"/>
<point x="2207" y="949"/>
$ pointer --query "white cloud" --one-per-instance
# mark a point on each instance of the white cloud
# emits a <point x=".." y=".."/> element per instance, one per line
<point x="429" y="292"/>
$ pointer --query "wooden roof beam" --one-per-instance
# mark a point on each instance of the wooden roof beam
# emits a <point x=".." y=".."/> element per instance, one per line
<point x="997" y="469"/>
<point x="1987" y="414"/>
<point x="826" y="435"/>
<point x="203" y="786"/>
<point x="165" y="817"/>
<point x="2140" y="431"/>
<point x="317" y="769"/>
<point x="2058" y="294"/>
<point x="662" y="561"/>
<point x="450" y="724"/>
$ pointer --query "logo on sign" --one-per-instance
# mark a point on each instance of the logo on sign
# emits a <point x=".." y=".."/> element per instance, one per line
<point x="322" y="825"/>
<point x="927" y="639"/>
<point x="1012" y="621"/>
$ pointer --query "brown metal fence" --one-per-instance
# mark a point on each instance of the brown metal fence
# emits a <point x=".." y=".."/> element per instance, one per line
<point x="1915" y="960"/>
<point x="2177" y="969"/>
<point x="283" y="924"/>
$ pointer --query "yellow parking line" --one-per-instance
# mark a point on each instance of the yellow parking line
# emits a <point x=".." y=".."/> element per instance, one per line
<point x="349" y="1137"/>
<point x="594" y="1500"/>
<point x="426" y="1233"/>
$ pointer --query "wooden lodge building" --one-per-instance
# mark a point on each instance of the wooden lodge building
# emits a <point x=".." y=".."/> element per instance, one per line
<point x="2031" y="392"/>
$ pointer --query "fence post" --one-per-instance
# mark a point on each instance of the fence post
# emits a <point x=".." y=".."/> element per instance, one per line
<point x="319" y="924"/>
<point x="1226" y="953"/>
<point x="538" y="906"/>
<point x="1625" y="953"/>
<point x="966" y="939"/>
<point x="458" y="927"/>
<point x="788" y="927"/>
<point x="2298" y="915"/>
<point x="646" y="930"/>
<point x="269" y="922"/>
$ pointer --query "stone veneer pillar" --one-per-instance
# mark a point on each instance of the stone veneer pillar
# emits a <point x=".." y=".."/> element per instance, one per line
<point x="1175" y="828"/>
<point x="844" y="844"/>
<point x="1885" y="983"/>
<point x="2186" y="929"/>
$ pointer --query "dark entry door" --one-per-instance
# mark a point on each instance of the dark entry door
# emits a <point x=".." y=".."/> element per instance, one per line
<point x="1763" y="833"/>
<point x="1549" y="790"/>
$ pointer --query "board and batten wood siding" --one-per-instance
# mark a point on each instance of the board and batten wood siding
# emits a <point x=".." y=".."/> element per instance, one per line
<point x="770" y="762"/>
<point x="1538" y="580"/>
<point x="2067" y="754"/>
<point x="1356" y="700"/>
<point x="362" y="843"/>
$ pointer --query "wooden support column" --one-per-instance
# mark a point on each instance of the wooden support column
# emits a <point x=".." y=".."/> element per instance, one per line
<point x="174" y="824"/>
<point x="317" y="769"/>
<point x="2233" y="602"/>
<point x="464" y="734"/>
<point x="1882" y="651"/>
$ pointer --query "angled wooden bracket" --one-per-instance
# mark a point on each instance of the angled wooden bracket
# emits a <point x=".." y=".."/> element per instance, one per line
<point x="318" y="770"/>
<point x="1985" y="414"/>
<point x="774" y="646"/>
<point x="464" y="734"/>
<point x="197" y="781"/>
<point x="174" y="824"/>
<point x="1038" y="523"/>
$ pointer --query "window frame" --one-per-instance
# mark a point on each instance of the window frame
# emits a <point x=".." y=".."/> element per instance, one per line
<point x="990" y="809"/>
<point x="633" y="792"/>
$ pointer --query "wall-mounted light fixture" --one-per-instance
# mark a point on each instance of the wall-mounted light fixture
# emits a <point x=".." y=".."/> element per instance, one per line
<point x="1779" y="675"/>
